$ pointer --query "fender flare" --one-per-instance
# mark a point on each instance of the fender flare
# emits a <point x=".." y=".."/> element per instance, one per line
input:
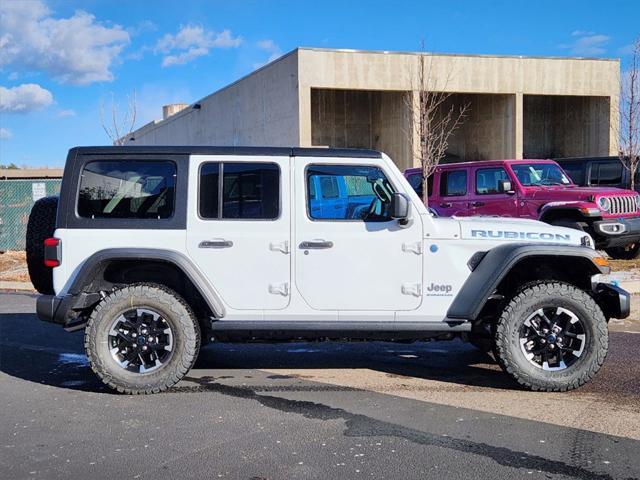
<point x="569" y="206"/>
<point x="497" y="263"/>
<point x="88" y="268"/>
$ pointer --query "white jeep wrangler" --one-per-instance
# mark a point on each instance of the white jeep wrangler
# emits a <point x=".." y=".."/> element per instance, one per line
<point x="156" y="250"/>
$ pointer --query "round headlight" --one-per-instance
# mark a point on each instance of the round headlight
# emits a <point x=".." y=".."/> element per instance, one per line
<point x="637" y="198"/>
<point x="604" y="204"/>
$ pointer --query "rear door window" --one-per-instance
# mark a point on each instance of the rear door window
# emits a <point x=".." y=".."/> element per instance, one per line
<point x="453" y="183"/>
<point x="127" y="189"/>
<point x="239" y="190"/>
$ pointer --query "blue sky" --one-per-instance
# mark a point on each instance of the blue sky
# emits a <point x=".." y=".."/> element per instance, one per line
<point x="61" y="59"/>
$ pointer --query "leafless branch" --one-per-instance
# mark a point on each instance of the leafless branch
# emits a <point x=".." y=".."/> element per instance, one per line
<point x="432" y="120"/>
<point x="629" y="150"/>
<point x="120" y="128"/>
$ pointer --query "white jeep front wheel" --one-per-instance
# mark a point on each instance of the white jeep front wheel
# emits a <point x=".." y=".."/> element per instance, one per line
<point x="552" y="336"/>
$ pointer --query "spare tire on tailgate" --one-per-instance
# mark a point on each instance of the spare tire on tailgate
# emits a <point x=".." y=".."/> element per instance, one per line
<point x="42" y="223"/>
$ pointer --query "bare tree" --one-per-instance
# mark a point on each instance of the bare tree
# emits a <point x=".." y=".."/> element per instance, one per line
<point x="629" y="150"/>
<point x="433" y="120"/>
<point x="118" y="128"/>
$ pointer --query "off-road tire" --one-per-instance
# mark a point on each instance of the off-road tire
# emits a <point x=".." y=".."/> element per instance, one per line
<point x="546" y="294"/>
<point x="172" y="308"/>
<point x="628" y="252"/>
<point x="41" y="225"/>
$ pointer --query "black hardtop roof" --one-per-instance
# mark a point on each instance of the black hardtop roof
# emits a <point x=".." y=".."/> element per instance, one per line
<point x="213" y="150"/>
<point x="586" y="159"/>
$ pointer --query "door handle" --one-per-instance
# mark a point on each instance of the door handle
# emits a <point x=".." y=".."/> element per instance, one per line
<point x="315" y="244"/>
<point x="216" y="243"/>
<point x="477" y="204"/>
<point x="445" y="205"/>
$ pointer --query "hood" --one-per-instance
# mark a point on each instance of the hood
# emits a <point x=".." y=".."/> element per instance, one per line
<point x="558" y="192"/>
<point x="503" y="229"/>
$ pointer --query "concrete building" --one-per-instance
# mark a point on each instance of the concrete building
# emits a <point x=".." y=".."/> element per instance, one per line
<point x="520" y="107"/>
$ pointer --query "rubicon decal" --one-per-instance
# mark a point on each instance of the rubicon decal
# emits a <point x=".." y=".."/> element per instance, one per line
<point x="510" y="235"/>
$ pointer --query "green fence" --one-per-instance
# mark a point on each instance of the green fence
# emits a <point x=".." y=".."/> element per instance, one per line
<point x="16" y="199"/>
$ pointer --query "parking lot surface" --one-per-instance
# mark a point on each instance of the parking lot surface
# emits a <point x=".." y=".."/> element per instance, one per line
<point x="317" y="410"/>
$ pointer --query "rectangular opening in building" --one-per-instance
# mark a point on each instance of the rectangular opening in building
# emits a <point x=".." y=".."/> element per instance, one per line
<point x="557" y="126"/>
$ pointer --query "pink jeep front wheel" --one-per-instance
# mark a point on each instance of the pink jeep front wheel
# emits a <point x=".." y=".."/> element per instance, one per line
<point x="628" y="252"/>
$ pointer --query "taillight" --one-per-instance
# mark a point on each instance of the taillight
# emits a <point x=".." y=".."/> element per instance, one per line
<point x="52" y="252"/>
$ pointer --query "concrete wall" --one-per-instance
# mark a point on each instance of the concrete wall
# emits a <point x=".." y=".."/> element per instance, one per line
<point x="362" y="119"/>
<point x="260" y="109"/>
<point x="565" y="126"/>
<point x="518" y="76"/>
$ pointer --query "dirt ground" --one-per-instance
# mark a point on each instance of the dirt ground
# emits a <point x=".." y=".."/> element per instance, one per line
<point x="624" y="265"/>
<point x="13" y="267"/>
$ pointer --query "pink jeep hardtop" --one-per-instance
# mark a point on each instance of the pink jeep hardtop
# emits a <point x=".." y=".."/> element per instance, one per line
<point x="536" y="189"/>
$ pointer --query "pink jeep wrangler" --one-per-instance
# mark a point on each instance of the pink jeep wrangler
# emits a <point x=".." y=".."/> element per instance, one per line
<point x="537" y="189"/>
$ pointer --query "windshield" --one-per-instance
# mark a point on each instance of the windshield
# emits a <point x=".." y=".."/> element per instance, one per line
<point x="531" y="174"/>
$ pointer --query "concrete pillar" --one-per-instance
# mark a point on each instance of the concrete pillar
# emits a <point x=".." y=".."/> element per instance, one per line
<point x="304" y="107"/>
<point x="518" y="126"/>
<point x="614" y="124"/>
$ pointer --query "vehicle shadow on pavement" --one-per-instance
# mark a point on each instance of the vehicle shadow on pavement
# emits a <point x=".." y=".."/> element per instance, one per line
<point x="454" y="362"/>
<point x="46" y="354"/>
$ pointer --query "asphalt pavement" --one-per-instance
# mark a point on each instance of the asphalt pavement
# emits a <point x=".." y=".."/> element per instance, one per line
<point x="316" y="410"/>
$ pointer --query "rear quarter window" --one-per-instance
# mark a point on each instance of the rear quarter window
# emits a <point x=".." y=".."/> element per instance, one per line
<point x="606" y="173"/>
<point x="127" y="189"/>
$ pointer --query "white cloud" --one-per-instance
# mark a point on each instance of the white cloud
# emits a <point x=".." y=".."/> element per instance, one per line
<point x="24" y="98"/>
<point x="626" y="49"/>
<point x="5" y="134"/>
<point x="271" y="48"/>
<point x="77" y="50"/>
<point x="191" y="42"/>
<point x="586" y="43"/>
<point x="66" y="113"/>
<point x="145" y="26"/>
<point x="581" y="33"/>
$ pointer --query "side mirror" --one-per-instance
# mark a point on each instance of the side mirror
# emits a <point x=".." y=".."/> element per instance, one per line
<point x="504" y="186"/>
<point x="400" y="206"/>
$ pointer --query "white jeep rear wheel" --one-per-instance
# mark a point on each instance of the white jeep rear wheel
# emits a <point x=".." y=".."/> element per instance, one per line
<point x="142" y="338"/>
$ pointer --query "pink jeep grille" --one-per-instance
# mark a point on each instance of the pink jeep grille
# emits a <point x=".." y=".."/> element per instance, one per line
<point x="623" y="204"/>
